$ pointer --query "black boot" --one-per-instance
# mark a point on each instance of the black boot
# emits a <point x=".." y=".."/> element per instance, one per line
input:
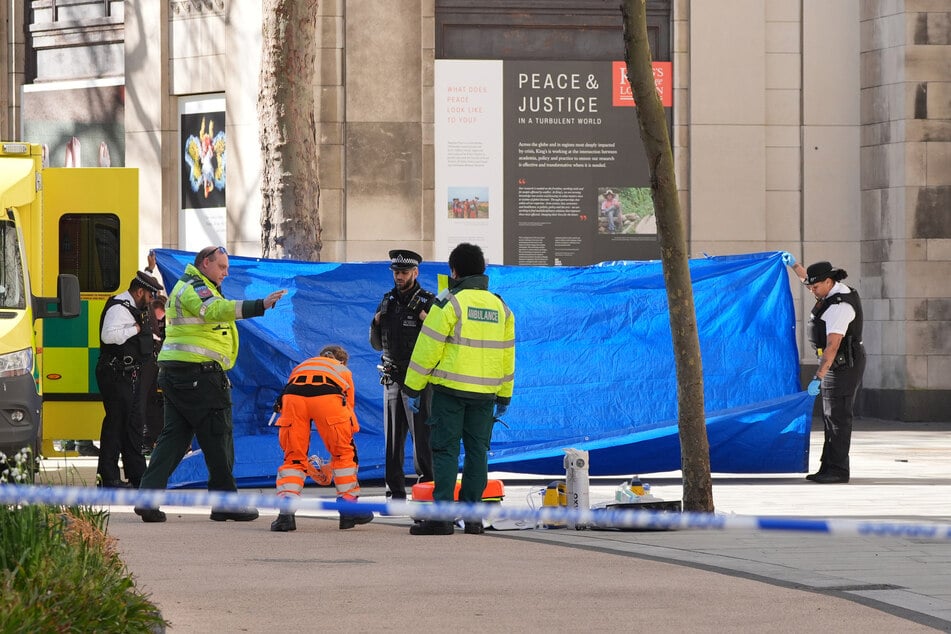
<point x="238" y="515"/>
<point x="432" y="527"/>
<point x="349" y="519"/>
<point x="149" y="515"/>
<point x="285" y="522"/>
<point x="86" y="448"/>
<point x="114" y="484"/>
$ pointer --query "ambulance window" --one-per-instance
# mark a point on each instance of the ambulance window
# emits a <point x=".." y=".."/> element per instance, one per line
<point x="89" y="249"/>
<point x="12" y="278"/>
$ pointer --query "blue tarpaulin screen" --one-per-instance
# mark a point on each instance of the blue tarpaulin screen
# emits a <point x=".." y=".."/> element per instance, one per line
<point x="594" y="363"/>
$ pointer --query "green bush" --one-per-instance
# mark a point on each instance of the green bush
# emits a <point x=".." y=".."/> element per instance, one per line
<point x="60" y="571"/>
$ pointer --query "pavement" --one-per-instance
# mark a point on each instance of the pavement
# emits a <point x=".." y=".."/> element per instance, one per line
<point x="240" y="577"/>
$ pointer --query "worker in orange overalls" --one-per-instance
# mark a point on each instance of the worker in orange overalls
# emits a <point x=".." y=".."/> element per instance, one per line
<point x="320" y="390"/>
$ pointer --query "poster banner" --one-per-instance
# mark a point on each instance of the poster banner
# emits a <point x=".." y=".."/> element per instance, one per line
<point x="202" y="171"/>
<point x="574" y="180"/>
<point x="468" y="179"/>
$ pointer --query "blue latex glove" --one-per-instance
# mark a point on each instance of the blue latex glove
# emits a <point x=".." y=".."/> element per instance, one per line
<point x="500" y="409"/>
<point x="788" y="258"/>
<point x="813" y="388"/>
<point x="414" y="404"/>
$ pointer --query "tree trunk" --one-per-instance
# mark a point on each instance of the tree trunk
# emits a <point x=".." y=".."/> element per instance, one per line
<point x="694" y="445"/>
<point x="290" y="224"/>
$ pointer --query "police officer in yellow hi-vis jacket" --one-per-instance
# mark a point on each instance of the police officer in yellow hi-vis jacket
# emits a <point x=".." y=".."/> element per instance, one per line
<point x="466" y="351"/>
<point x="201" y="344"/>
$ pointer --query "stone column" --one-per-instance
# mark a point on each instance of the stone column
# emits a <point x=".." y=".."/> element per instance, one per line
<point x="149" y="130"/>
<point x="383" y="134"/>
<point x="331" y="117"/>
<point x="13" y="56"/>
<point x="906" y="207"/>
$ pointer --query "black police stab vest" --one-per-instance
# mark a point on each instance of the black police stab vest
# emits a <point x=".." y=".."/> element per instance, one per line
<point x="400" y="325"/>
<point x="816" y="328"/>
<point x="138" y="347"/>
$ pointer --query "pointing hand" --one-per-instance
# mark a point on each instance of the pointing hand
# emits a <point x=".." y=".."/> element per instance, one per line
<point x="271" y="299"/>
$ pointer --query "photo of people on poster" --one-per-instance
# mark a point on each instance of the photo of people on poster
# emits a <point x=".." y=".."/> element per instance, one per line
<point x="468" y="203"/>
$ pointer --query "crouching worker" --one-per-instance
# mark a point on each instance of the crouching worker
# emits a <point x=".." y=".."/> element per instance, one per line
<point x="320" y="390"/>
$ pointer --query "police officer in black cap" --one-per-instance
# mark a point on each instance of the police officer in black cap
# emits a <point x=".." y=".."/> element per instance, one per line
<point x="835" y="332"/>
<point x="395" y="327"/>
<point x="125" y="343"/>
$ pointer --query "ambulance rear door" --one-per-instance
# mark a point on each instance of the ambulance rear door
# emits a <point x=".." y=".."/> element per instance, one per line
<point x="90" y="230"/>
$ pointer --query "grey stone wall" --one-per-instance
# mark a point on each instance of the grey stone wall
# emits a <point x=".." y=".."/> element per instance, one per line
<point x="12" y="57"/>
<point x="906" y="207"/>
<point x="331" y="124"/>
<point x="82" y="39"/>
<point x="384" y="86"/>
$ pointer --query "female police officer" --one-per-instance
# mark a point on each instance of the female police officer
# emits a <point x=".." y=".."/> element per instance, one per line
<point x="835" y="332"/>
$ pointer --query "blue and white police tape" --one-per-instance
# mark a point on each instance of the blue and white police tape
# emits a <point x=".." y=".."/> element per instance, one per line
<point x="606" y="518"/>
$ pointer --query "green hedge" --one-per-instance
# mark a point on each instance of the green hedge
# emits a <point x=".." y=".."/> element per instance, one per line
<point x="60" y="571"/>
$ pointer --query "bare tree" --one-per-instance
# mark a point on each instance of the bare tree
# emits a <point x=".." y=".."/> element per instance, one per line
<point x="694" y="445"/>
<point x="290" y="224"/>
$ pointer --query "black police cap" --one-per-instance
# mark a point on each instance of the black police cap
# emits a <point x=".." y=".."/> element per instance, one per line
<point x="404" y="259"/>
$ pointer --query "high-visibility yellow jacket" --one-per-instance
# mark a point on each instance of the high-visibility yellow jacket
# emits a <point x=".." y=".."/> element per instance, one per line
<point x="200" y="322"/>
<point x="467" y="344"/>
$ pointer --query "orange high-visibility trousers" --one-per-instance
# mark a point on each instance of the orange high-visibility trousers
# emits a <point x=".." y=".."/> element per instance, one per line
<point x="336" y="424"/>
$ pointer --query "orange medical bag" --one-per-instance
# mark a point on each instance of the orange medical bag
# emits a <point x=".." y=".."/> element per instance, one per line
<point x="494" y="491"/>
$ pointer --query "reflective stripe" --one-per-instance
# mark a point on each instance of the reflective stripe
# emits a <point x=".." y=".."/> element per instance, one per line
<point x="181" y="321"/>
<point x="347" y="486"/>
<point x="463" y="378"/>
<point x="290" y="481"/>
<point x="457" y="339"/>
<point x="467" y="343"/>
<point x="205" y="305"/>
<point x="324" y="369"/>
<point x="205" y="352"/>
<point x="457" y="329"/>
<point x="432" y="334"/>
<point x="193" y="337"/>
<point x="177" y="310"/>
<point x="482" y="343"/>
<point x="177" y="319"/>
<point x="346" y="471"/>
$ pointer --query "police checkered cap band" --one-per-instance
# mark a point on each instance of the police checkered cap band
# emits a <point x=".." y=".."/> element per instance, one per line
<point x="405" y="260"/>
<point x="148" y="282"/>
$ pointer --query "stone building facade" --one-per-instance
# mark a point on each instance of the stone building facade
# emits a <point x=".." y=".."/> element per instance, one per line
<point x="824" y="130"/>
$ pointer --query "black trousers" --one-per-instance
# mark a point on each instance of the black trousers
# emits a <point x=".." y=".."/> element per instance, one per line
<point x="838" y="391"/>
<point x="400" y="420"/>
<point x="197" y="405"/>
<point x="150" y="404"/>
<point x="121" y="432"/>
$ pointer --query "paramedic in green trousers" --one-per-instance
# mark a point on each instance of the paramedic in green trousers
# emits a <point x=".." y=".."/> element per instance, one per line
<point x="201" y="344"/>
<point x="466" y="351"/>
